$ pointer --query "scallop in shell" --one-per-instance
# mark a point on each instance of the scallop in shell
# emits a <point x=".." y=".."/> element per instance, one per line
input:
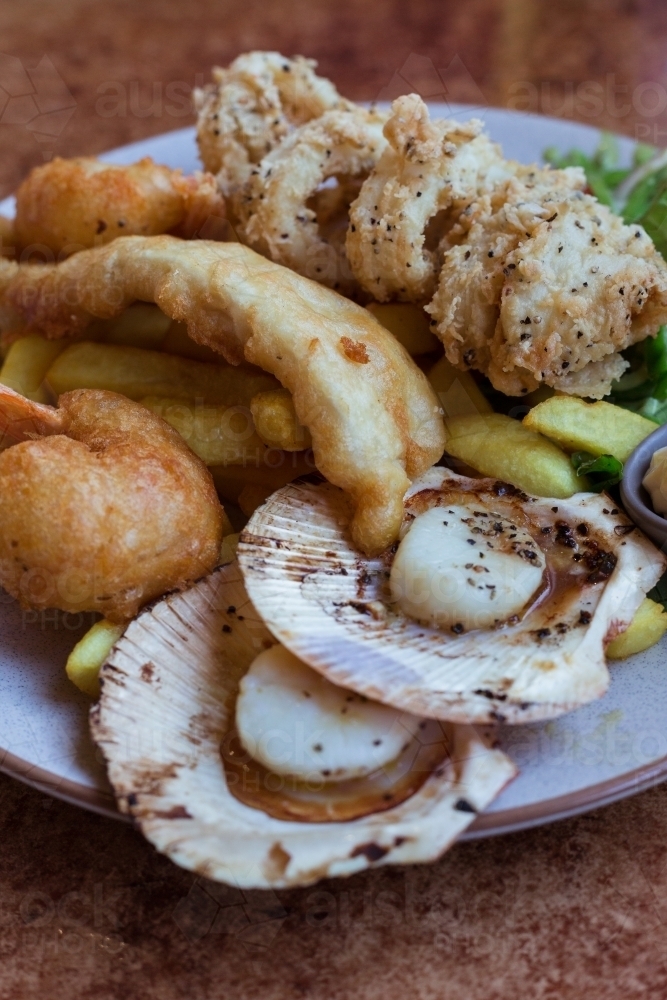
<point x="167" y="709"/>
<point x="333" y="607"/>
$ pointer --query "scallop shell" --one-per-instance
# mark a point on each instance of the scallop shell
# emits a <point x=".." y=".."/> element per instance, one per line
<point x="329" y="604"/>
<point x="167" y="689"/>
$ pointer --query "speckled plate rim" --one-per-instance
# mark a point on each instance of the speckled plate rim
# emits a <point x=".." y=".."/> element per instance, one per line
<point x="51" y="783"/>
<point x="565" y="806"/>
<point x="487" y="825"/>
<point x="490" y="824"/>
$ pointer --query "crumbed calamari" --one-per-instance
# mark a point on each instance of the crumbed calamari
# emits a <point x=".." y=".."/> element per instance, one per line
<point x="251" y="106"/>
<point x="427" y="169"/>
<point x="68" y="205"/>
<point x="374" y="420"/>
<point x="466" y="304"/>
<point x="274" y="214"/>
<point x="548" y="289"/>
<point x="103" y="506"/>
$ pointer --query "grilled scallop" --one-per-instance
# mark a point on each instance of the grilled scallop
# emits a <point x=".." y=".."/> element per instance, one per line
<point x="184" y="707"/>
<point x="495" y="605"/>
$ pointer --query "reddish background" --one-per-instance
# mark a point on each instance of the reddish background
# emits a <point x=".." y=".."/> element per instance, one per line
<point x="87" y="909"/>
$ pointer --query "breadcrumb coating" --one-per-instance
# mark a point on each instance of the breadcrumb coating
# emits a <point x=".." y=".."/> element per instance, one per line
<point x="274" y="211"/>
<point x="251" y="106"/>
<point x="548" y="285"/>
<point x="427" y="168"/>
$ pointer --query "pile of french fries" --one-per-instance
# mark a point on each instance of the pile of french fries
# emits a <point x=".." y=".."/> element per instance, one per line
<point x="243" y="425"/>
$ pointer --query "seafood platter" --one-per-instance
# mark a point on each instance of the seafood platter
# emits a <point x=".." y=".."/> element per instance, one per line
<point x="331" y="444"/>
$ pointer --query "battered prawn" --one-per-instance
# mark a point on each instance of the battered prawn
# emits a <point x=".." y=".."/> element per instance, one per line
<point x="427" y="169"/>
<point x="251" y="106"/>
<point x="274" y="216"/>
<point x="103" y="507"/>
<point x="68" y="205"/>
<point x="375" y="422"/>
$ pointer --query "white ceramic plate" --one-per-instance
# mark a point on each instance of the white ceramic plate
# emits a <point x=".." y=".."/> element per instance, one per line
<point x="601" y="753"/>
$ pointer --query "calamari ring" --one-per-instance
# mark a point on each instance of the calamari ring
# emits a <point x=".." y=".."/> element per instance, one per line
<point x="69" y="205"/>
<point x="512" y="301"/>
<point x="273" y="213"/>
<point x="251" y="106"/>
<point x="373" y="417"/>
<point x="426" y="168"/>
<point x="466" y="304"/>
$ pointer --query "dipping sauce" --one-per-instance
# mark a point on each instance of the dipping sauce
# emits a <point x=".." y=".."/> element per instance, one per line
<point x="655" y="481"/>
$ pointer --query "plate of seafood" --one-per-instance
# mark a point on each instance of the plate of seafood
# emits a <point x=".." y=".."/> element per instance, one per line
<point x="334" y="475"/>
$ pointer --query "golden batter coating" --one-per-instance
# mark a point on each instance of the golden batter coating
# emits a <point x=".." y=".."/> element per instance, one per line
<point x="251" y="106"/>
<point x="68" y="205"/>
<point x="103" y="507"/>
<point x="427" y="168"/>
<point x="273" y="211"/>
<point x="375" y="422"/>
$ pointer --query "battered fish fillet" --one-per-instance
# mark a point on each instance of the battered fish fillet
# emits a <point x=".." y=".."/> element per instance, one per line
<point x="251" y="106"/>
<point x="273" y="211"/>
<point x="103" y="507"/>
<point x="68" y="205"/>
<point x="426" y="169"/>
<point x="548" y="287"/>
<point x="375" y="422"/>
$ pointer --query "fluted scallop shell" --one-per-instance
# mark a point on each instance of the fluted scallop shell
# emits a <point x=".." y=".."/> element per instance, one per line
<point x="330" y="605"/>
<point x="167" y="692"/>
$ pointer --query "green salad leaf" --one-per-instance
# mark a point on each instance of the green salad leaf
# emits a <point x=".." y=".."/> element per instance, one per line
<point x="643" y="389"/>
<point x="647" y="205"/>
<point x="602" y="470"/>
<point x="602" y="171"/>
<point x="659" y="592"/>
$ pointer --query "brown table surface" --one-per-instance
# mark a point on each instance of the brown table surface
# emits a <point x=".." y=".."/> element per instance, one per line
<point x="87" y="908"/>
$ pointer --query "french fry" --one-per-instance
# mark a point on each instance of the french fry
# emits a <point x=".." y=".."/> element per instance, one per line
<point x="408" y="323"/>
<point x="457" y="391"/>
<point x="228" y="548"/>
<point x="26" y="365"/>
<point x="138" y="373"/>
<point x="646" y="628"/>
<point x="227" y="526"/>
<point x="84" y="662"/>
<point x="276" y="421"/>
<point x="219" y="435"/>
<point x="503" y="448"/>
<point x="140" y="325"/>
<point x="600" y="428"/>
<point x="178" y="342"/>
<point x="277" y="468"/>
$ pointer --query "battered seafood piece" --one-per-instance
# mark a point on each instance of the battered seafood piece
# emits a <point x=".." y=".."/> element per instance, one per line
<point x="427" y="168"/>
<point x="68" y="205"/>
<point x="374" y="420"/>
<point x="548" y="289"/>
<point x="274" y="215"/>
<point x="252" y="105"/>
<point x="103" y="507"/>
